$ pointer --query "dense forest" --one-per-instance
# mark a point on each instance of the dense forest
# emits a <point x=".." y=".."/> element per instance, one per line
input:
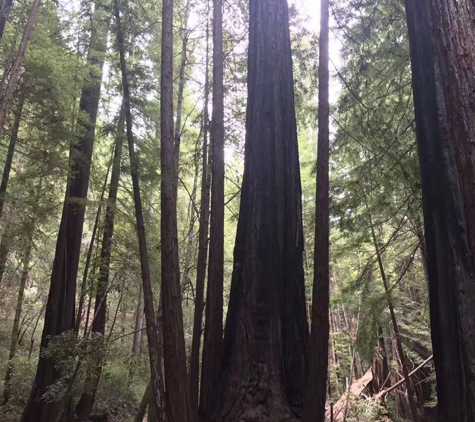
<point x="237" y="210"/>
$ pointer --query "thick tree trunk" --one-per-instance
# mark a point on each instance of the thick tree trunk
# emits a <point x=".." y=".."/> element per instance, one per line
<point x="176" y="378"/>
<point x="442" y="41"/>
<point x="202" y="248"/>
<point x="94" y="371"/>
<point x="16" y="67"/>
<point x="16" y="320"/>
<point x="213" y="333"/>
<point x="5" y="7"/>
<point x="10" y="153"/>
<point x="317" y="377"/>
<point x="60" y="309"/>
<point x="152" y="333"/>
<point x="266" y="336"/>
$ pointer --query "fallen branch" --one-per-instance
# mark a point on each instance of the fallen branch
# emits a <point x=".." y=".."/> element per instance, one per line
<point x="384" y="393"/>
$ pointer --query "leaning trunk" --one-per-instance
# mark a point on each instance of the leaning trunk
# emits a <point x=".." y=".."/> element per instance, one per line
<point x="17" y="64"/>
<point x="442" y="42"/>
<point x="16" y="320"/>
<point x="266" y="336"/>
<point x="10" y="153"/>
<point x="152" y="332"/>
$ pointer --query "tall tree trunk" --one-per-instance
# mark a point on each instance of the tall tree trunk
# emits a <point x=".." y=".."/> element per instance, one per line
<point x="5" y="7"/>
<point x="16" y="320"/>
<point x="94" y="371"/>
<point x="11" y="152"/>
<point x="318" y="374"/>
<point x="16" y="68"/>
<point x="60" y="309"/>
<point x="442" y="44"/>
<point x="213" y="333"/>
<point x="202" y="247"/>
<point x="176" y="378"/>
<point x="152" y="333"/>
<point x="266" y="335"/>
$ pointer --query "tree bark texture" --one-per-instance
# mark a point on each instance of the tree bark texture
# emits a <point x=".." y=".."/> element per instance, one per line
<point x="213" y="333"/>
<point x="60" y="308"/>
<point x="318" y="374"/>
<point x="11" y="152"/>
<point x="442" y="42"/>
<point x="266" y="334"/>
<point x="16" y="67"/>
<point x="202" y="248"/>
<point x="176" y="377"/>
<point x="94" y="371"/>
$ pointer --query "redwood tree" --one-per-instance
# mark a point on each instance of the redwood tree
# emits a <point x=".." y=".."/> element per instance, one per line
<point x="213" y="335"/>
<point x="60" y="308"/>
<point x="176" y="377"/>
<point x="442" y="42"/>
<point x="318" y="374"/>
<point x="266" y="334"/>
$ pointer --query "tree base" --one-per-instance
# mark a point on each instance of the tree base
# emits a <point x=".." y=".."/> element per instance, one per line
<point x="260" y="398"/>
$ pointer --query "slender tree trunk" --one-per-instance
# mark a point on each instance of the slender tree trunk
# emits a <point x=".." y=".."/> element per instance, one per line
<point x="152" y="333"/>
<point x="11" y="152"/>
<point x="4" y="250"/>
<point x="90" y="249"/>
<point x="94" y="371"/>
<point x="176" y="379"/>
<point x="191" y="228"/>
<point x="317" y="377"/>
<point x="442" y="44"/>
<point x="16" y="68"/>
<point x="266" y="336"/>
<point x="32" y="338"/>
<point x="16" y="320"/>
<point x="181" y="84"/>
<point x="146" y="398"/>
<point x="137" y="343"/>
<point x="213" y="333"/>
<point x="5" y="7"/>
<point x="400" y="350"/>
<point x="60" y="309"/>
<point x="202" y="248"/>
